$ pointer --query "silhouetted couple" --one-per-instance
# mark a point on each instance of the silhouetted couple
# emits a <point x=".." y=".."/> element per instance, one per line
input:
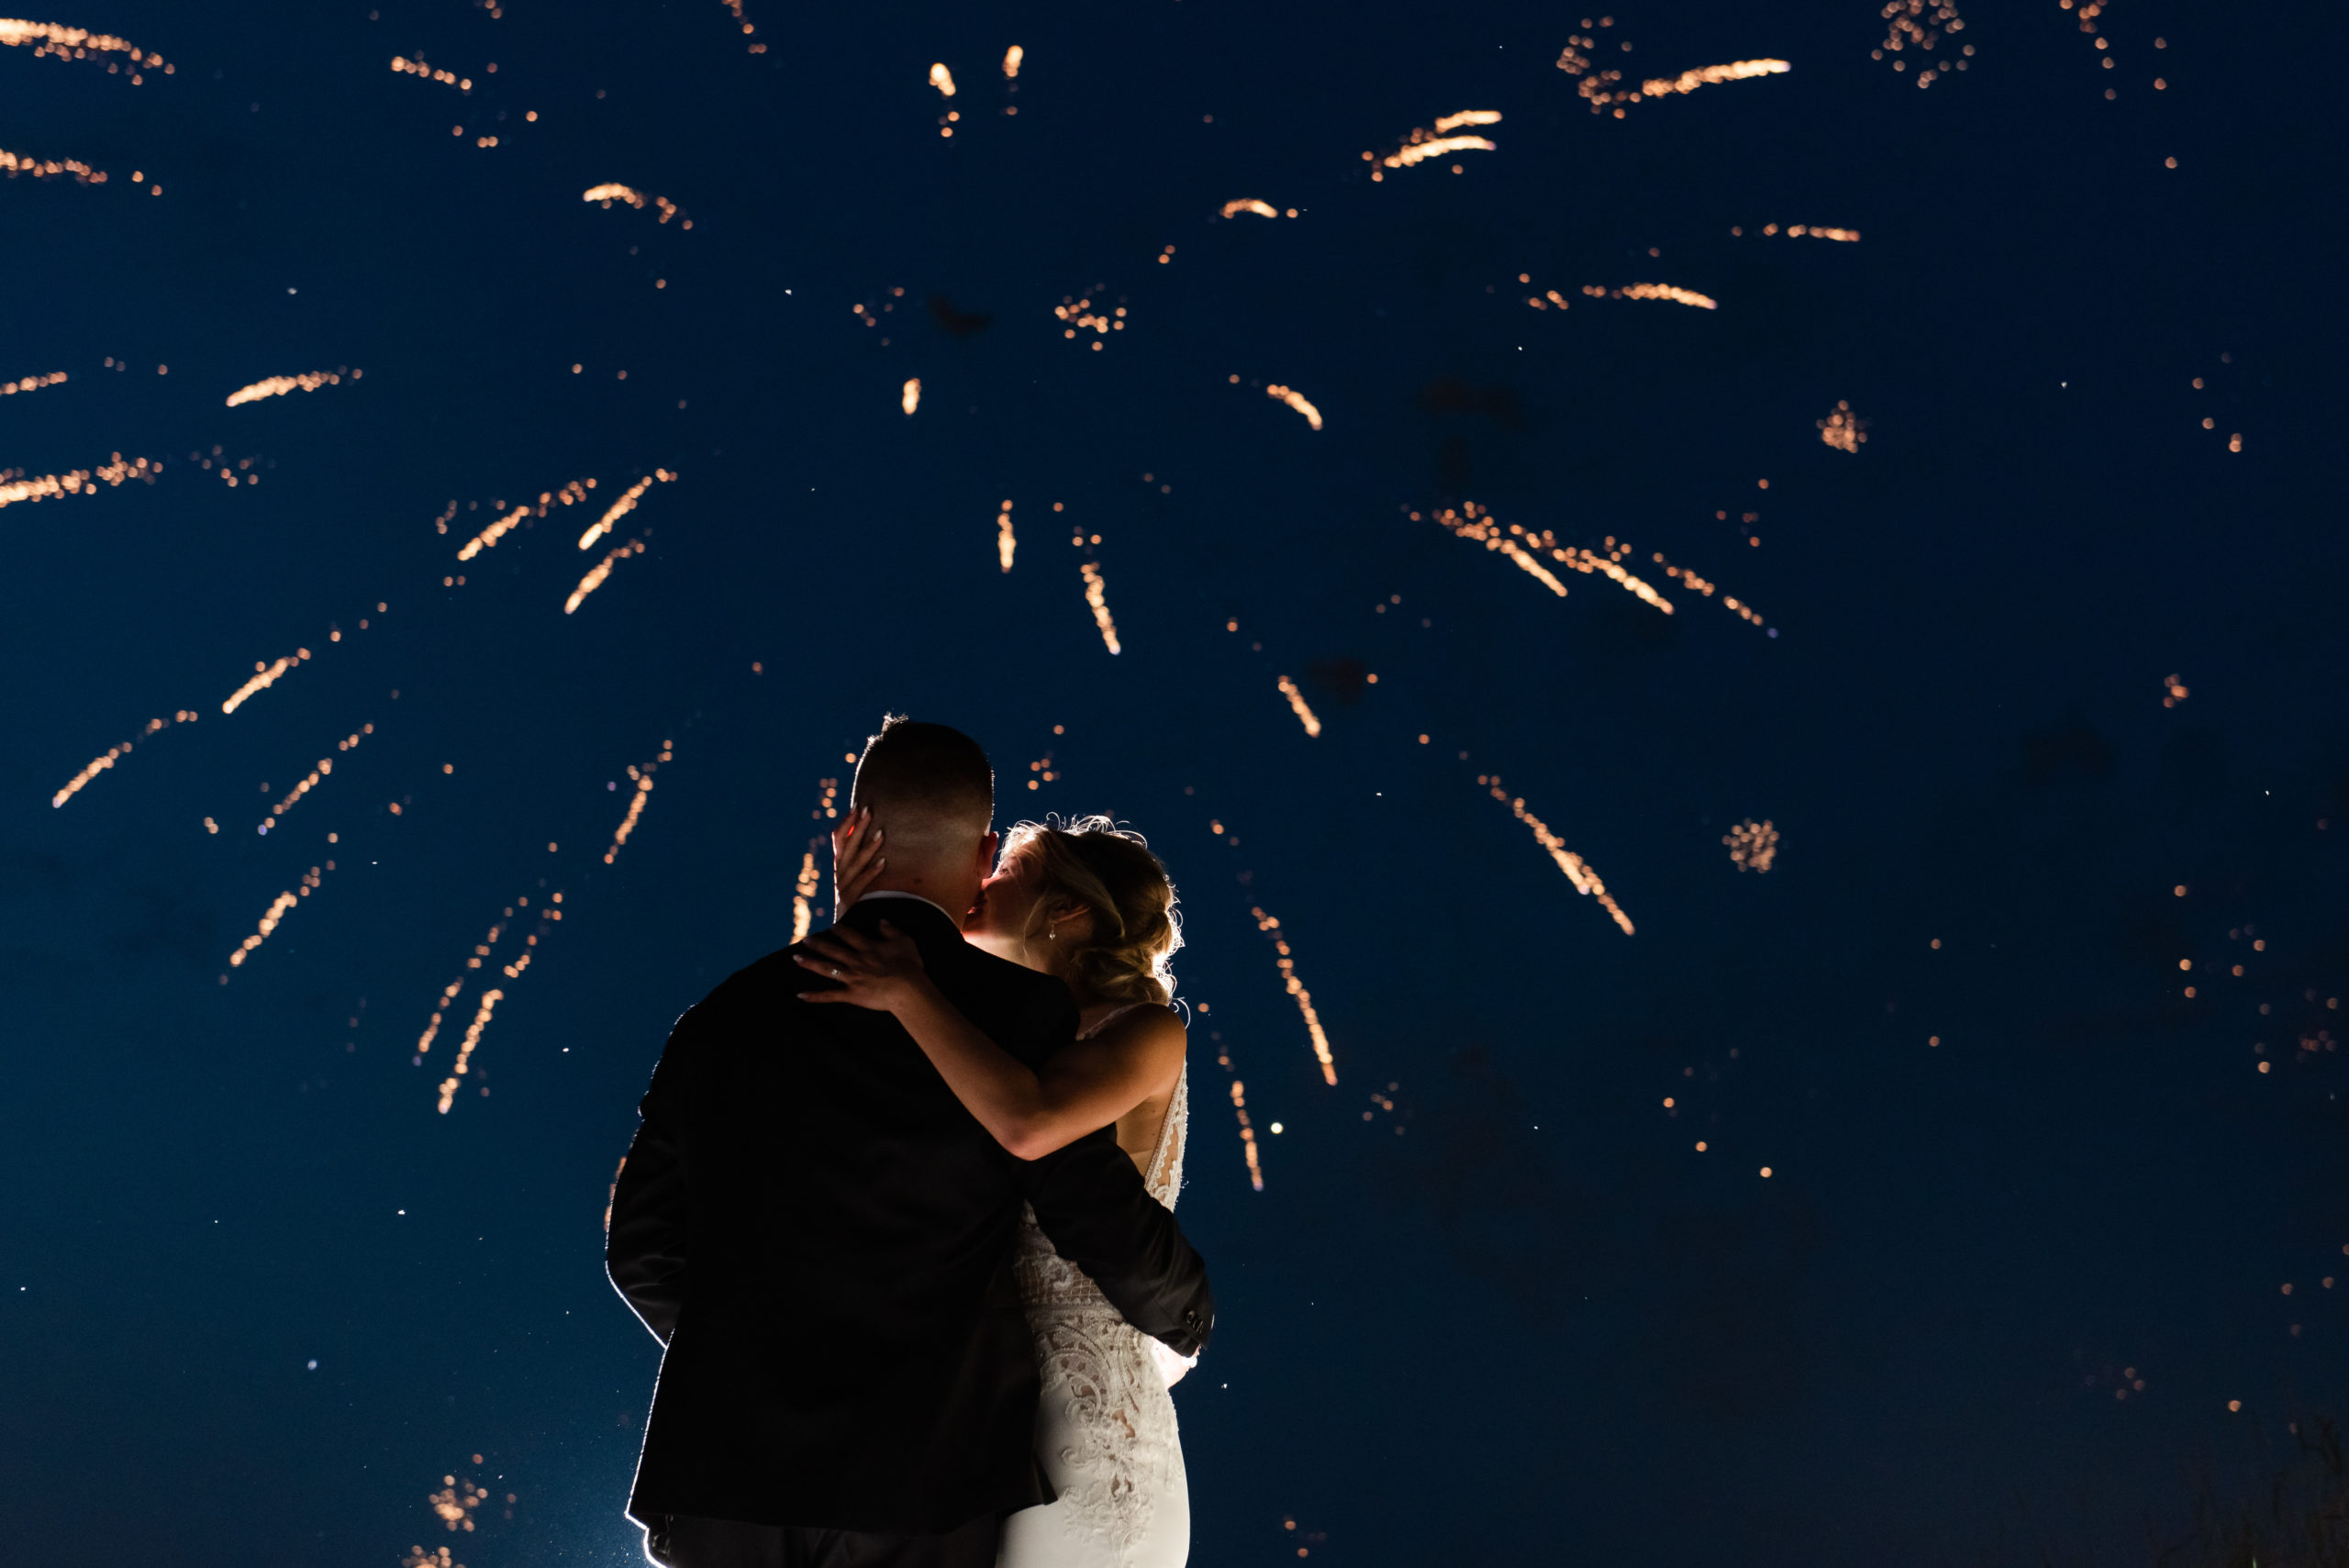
<point x="900" y="1208"/>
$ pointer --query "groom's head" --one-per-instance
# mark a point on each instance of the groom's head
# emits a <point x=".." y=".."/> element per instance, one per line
<point x="933" y="794"/>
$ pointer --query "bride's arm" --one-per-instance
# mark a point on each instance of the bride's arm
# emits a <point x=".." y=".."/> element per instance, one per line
<point x="1086" y="1085"/>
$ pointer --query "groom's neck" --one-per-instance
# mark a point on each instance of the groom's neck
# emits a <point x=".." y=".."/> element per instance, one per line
<point x="953" y="889"/>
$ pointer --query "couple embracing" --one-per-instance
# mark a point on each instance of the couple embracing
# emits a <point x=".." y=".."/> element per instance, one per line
<point x="900" y="1208"/>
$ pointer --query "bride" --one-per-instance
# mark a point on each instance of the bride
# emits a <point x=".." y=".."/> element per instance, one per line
<point x="1092" y="905"/>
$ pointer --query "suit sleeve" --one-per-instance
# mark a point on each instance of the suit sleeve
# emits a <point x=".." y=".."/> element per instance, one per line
<point x="645" y="1245"/>
<point x="1091" y="1202"/>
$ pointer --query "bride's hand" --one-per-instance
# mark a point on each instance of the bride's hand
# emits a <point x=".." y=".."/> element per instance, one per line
<point x="882" y="971"/>
<point x="857" y="859"/>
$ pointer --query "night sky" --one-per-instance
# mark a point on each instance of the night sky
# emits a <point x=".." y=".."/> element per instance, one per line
<point x="2052" y="1186"/>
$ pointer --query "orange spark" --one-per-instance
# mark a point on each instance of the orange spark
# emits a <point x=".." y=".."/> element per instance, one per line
<point x="1696" y="584"/>
<point x="1420" y="151"/>
<point x="909" y="398"/>
<point x="616" y="192"/>
<point x="1294" y="400"/>
<point x="598" y="572"/>
<point x="1297" y="705"/>
<point x="1247" y="1135"/>
<point x="76" y="43"/>
<point x="16" y="163"/>
<point x="1578" y="870"/>
<point x="1011" y="59"/>
<point x="279" y="385"/>
<point x="2173" y="693"/>
<point x="622" y="507"/>
<point x="803" y="898"/>
<point x="1467" y="116"/>
<point x="113" y="755"/>
<point x="407" y="67"/>
<point x="1842" y="430"/>
<point x="1706" y="75"/>
<point x="276" y="913"/>
<point x="1656" y="291"/>
<point x="1797" y="230"/>
<point x="1097" y="596"/>
<point x="1250" y="204"/>
<point x="30" y="383"/>
<point x="643" y="777"/>
<point x="325" y="767"/>
<point x="1271" y="928"/>
<point x="1926" y="23"/>
<point x="113" y="474"/>
<point x="1753" y="846"/>
<point x="264" y="677"/>
<point x="488" y="538"/>
<point x="943" y="79"/>
<point x="489" y="1000"/>
<point x="1006" y="541"/>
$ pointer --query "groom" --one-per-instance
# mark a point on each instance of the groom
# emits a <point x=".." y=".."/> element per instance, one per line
<point x="822" y="1236"/>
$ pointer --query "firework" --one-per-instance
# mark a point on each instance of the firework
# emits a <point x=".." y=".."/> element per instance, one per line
<point x="456" y="1501"/>
<point x="1252" y="204"/>
<point x="1599" y="89"/>
<point x="60" y="42"/>
<point x="598" y="572"/>
<point x="910" y="396"/>
<point x="1707" y="75"/>
<point x="1424" y="142"/>
<point x="2173" y="692"/>
<point x="1585" y="881"/>
<point x="1247" y="1134"/>
<point x="1696" y="584"/>
<point x="1304" y="715"/>
<point x="279" y="385"/>
<point x="1296" y="400"/>
<point x="114" y="754"/>
<point x="265" y="677"/>
<point x="448" y="1090"/>
<point x="1753" y="846"/>
<point x="803" y="898"/>
<point x="426" y="1557"/>
<point x="30" y="382"/>
<point x="1295" y="987"/>
<point x="407" y="67"/>
<point x="1842" y="430"/>
<point x="115" y="473"/>
<point x="1012" y="57"/>
<point x="275" y="914"/>
<point x="325" y="767"/>
<point x="943" y="79"/>
<point x="1924" y="25"/>
<point x="488" y="538"/>
<point x="643" y="777"/>
<point x="1080" y="315"/>
<point x="1797" y="230"/>
<point x="744" y="21"/>
<point x="616" y="192"/>
<point x="623" y="507"/>
<point x="1006" y="541"/>
<point x="1672" y="292"/>
<point x="16" y="163"/>
<point x="1096" y="595"/>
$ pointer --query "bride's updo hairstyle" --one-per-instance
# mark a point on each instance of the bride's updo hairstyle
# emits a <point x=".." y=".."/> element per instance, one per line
<point x="1095" y="864"/>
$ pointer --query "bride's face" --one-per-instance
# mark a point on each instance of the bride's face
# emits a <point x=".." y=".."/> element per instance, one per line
<point x="998" y="920"/>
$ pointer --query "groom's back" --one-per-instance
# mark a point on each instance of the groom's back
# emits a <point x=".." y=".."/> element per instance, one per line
<point x="828" y="1235"/>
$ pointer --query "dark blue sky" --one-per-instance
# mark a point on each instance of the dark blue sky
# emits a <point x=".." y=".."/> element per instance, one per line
<point x="1516" y="1317"/>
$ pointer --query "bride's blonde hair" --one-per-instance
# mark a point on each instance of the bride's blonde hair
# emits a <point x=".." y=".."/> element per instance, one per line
<point x="1094" y="864"/>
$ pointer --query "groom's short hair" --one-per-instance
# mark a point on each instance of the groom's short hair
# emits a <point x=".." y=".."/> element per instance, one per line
<point x="925" y="781"/>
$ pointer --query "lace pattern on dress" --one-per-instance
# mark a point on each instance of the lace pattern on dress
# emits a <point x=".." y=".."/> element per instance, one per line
<point x="1105" y="1392"/>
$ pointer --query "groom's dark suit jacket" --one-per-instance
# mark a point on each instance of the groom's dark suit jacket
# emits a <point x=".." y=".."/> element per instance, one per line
<point x="822" y="1236"/>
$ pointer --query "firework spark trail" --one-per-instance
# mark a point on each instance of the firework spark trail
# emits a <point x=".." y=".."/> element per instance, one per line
<point x="643" y="777"/>
<point x="488" y="538"/>
<point x="1659" y="291"/>
<point x="326" y="766"/>
<point x="16" y="163"/>
<point x="744" y="20"/>
<point x="1467" y="116"/>
<point x="1006" y="541"/>
<point x="31" y="383"/>
<point x="1707" y="75"/>
<point x="113" y="474"/>
<point x="1296" y="400"/>
<point x="1797" y="230"/>
<point x="909" y="398"/>
<point x="1842" y="430"/>
<point x="1422" y="143"/>
<point x="1247" y="1134"/>
<point x="114" y="754"/>
<point x="1925" y="23"/>
<point x="1696" y="584"/>
<point x="598" y="572"/>
<point x="803" y="898"/>
<point x="77" y="43"/>
<point x="1096" y="594"/>
<point x="1250" y="204"/>
<point x="489" y="1000"/>
<point x="1585" y="881"/>
<point x="1304" y="715"/>
<point x="275" y="914"/>
<point x="1478" y="525"/>
<point x="1753" y="846"/>
<point x="943" y="79"/>
<point x="623" y="507"/>
<point x="424" y="1040"/>
<point x="264" y="677"/>
<point x="1271" y="928"/>
<point x="1012" y="57"/>
<point x="418" y="68"/>
<point x="279" y="385"/>
<point x="616" y="192"/>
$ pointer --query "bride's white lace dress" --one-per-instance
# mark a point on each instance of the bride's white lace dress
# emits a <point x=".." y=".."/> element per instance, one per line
<point x="1106" y="1429"/>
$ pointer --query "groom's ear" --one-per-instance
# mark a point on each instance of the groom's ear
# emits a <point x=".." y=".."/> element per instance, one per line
<point x="987" y="846"/>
